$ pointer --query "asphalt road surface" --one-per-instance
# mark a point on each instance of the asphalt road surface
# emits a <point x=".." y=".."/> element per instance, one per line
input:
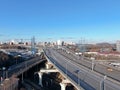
<point x="82" y="76"/>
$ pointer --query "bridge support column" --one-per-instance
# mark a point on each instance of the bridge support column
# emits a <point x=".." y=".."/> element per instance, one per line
<point x="40" y="79"/>
<point x="48" y="65"/>
<point x="40" y="73"/>
<point x="63" y="86"/>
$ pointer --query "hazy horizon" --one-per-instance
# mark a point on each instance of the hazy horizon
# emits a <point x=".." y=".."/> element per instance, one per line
<point x="65" y="19"/>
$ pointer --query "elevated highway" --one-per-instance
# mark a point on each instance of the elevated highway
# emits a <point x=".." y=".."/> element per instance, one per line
<point x="16" y="70"/>
<point x="95" y="65"/>
<point x="81" y="76"/>
<point x="24" y="66"/>
<point x="74" y="68"/>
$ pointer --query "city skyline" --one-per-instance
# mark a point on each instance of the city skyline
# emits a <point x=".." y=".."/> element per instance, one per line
<point x="65" y="19"/>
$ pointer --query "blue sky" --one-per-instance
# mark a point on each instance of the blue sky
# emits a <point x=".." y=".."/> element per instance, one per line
<point x="97" y="20"/>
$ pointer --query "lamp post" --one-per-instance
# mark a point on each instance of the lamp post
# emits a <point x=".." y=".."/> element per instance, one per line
<point x="78" y="80"/>
<point x="66" y="67"/>
<point x="93" y="60"/>
<point x="3" y="72"/>
<point x="18" y="56"/>
<point x="6" y="72"/>
<point x="102" y="83"/>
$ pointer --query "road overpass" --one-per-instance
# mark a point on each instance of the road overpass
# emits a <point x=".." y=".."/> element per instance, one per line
<point x="75" y="71"/>
<point x="100" y="66"/>
<point x="79" y="75"/>
<point x="23" y="67"/>
<point x="14" y="71"/>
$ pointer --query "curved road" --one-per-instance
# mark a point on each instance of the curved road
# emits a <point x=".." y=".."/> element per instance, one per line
<point x="81" y="76"/>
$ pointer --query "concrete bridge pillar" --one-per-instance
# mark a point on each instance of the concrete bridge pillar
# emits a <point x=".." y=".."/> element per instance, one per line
<point x="63" y="86"/>
<point x="48" y="65"/>
<point x="40" y="79"/>
<point x="40" y="73"/>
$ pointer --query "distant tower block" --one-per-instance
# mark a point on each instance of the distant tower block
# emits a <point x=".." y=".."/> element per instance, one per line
<point x="118" y="46"/>
<point x="59" y="42"/>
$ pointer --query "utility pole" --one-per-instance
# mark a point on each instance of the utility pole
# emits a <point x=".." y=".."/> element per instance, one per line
<point x="82" y="47"/>
<point x="33" y="45"/>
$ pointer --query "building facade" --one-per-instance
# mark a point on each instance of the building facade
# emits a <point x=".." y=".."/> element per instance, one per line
<point x="118" y="46"/>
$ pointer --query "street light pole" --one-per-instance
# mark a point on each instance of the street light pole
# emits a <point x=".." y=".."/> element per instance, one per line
<point x="16" y="57"/>
<point x="93" y="60"/>
<point x="22" y="77"/>
<point x="66" y="69"/>
<point x="3" y="72"/>
<point x="6" y="74"/>
<point x="102" y="83"/>
<point x="78" y="79"/>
